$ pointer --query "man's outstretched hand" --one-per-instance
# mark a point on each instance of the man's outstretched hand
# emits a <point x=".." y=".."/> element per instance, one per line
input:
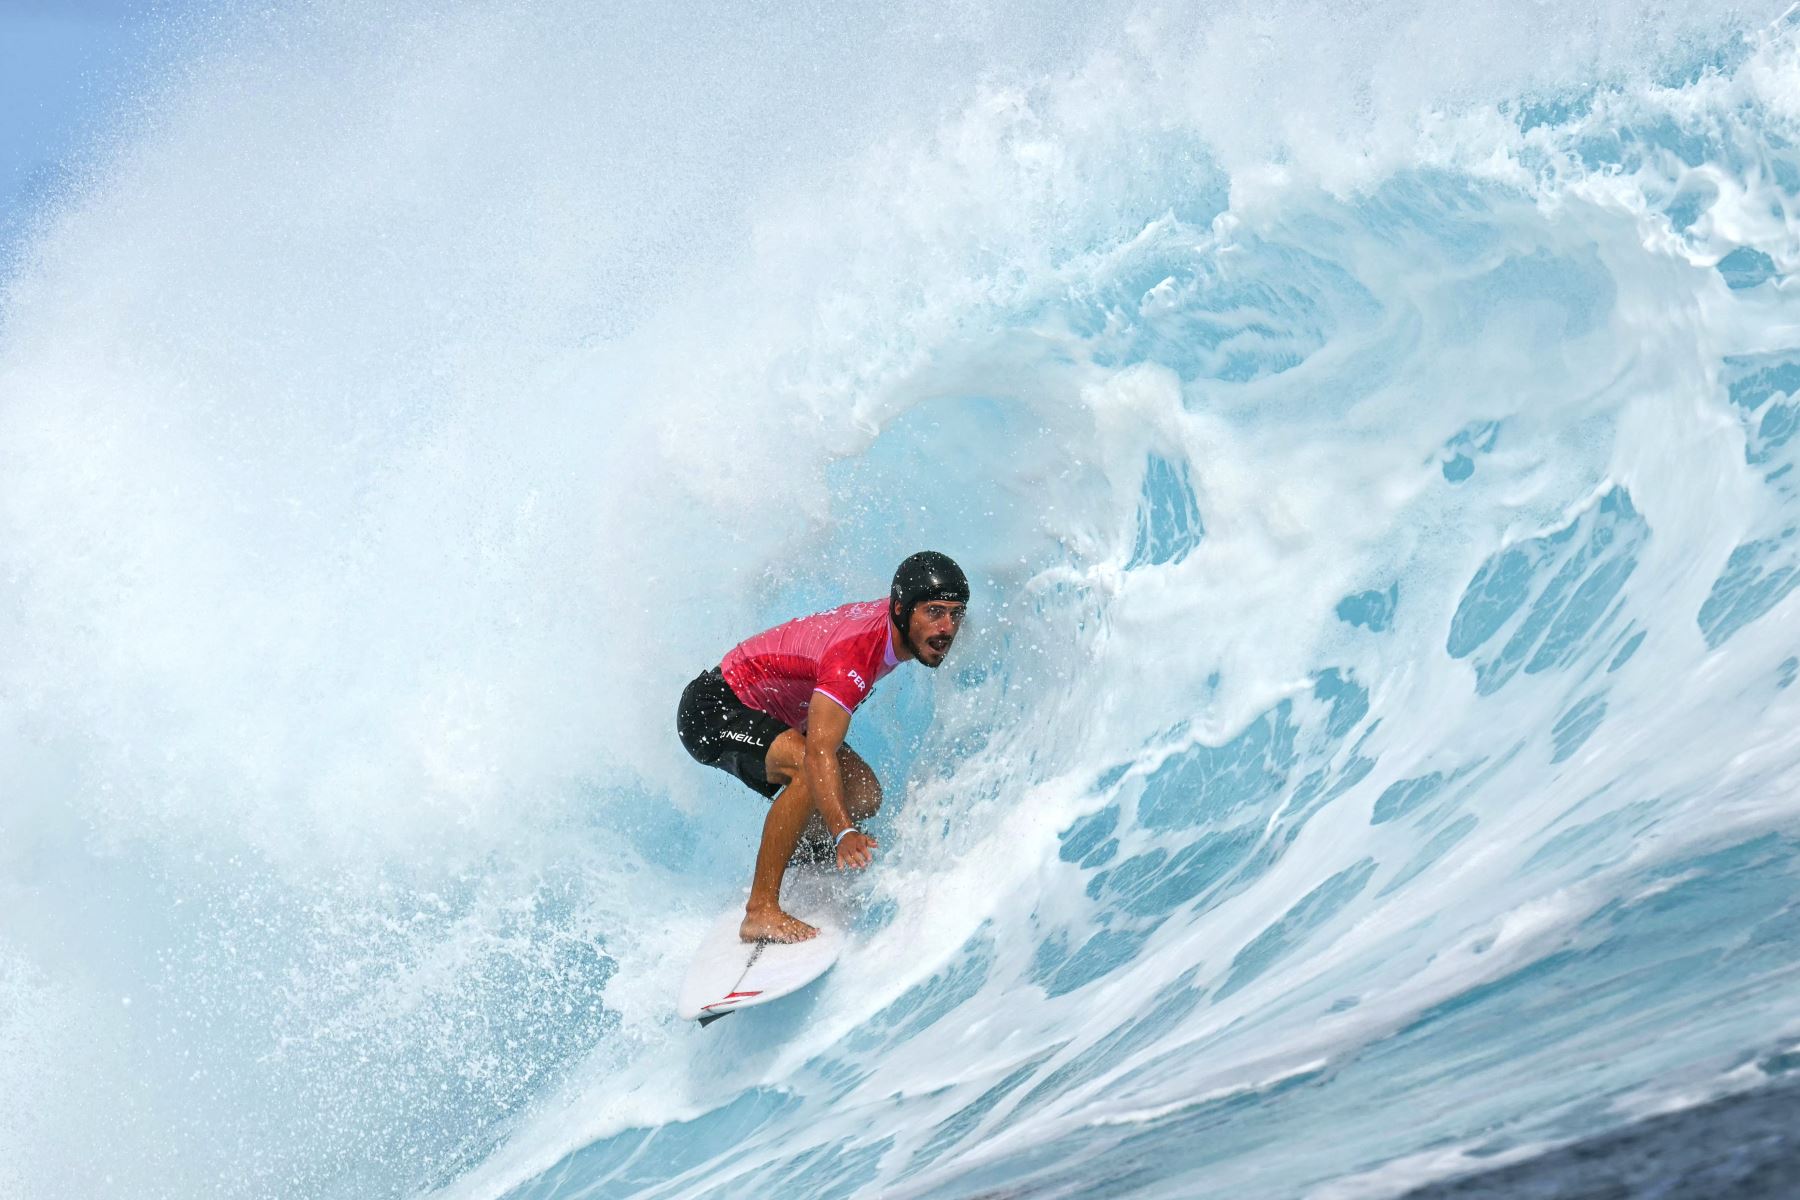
<point x="856" y="850"/>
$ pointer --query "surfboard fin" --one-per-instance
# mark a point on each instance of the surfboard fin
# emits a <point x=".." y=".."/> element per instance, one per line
<point x="708" y="1018"/>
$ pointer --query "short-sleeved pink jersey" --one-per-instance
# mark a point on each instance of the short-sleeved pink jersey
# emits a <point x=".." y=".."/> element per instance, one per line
<point x="840" y="653"/>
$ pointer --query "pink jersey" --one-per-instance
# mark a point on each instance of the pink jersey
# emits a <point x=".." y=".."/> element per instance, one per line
<point x="840" y="654"/>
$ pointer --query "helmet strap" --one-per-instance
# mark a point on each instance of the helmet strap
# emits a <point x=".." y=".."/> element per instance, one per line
<point x="904" y="625"/>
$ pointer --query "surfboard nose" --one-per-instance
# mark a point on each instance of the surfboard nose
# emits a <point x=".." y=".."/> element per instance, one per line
<point x="728" y="973"/>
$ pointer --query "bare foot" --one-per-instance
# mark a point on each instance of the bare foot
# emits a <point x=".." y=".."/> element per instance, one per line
<point x="773" y="925"/>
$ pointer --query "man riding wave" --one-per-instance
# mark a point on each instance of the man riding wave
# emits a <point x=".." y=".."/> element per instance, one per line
<point x="774" y="713"/>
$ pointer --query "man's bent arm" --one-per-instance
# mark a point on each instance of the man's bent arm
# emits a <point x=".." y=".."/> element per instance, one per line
<point x="826" y="724"/>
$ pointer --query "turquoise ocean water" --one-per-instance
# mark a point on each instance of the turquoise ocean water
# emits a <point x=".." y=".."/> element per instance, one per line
<point x="1371" y="755"/>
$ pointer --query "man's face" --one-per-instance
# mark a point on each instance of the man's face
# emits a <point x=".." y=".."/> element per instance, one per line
<point x="932" y="627"/>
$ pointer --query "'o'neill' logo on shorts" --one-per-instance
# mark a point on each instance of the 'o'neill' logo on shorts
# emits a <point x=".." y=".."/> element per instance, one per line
<point x="735" y="736"/>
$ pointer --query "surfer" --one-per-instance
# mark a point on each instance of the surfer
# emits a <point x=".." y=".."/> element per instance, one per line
<point x="774" y="713"/>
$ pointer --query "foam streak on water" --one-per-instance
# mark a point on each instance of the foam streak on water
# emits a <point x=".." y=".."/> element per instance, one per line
<point x="1371" y="753"/>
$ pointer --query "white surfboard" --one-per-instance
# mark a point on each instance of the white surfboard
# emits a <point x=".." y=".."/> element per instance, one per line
<point x="728" y="973"/>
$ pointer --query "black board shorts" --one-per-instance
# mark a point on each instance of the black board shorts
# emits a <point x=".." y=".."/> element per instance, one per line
<point x="722" y="731"/>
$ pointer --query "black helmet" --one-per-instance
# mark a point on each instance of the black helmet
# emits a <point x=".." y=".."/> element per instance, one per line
<point x="924" y="576"/>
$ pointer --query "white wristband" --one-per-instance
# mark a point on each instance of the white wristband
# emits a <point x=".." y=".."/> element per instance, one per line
<point x="843" y="835"/>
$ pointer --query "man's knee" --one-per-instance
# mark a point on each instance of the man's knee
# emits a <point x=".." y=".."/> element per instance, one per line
<point x="862" y="790"/>
<point x="786" y="755"/>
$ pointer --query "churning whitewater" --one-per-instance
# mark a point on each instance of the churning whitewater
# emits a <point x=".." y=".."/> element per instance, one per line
<point x="1370" y="435"/>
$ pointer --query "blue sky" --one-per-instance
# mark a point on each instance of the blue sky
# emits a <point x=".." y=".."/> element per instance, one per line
<point x="63" y="66"/>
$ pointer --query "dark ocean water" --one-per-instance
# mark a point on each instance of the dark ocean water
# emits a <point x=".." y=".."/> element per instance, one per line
<point x="1740" y="1147"/>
